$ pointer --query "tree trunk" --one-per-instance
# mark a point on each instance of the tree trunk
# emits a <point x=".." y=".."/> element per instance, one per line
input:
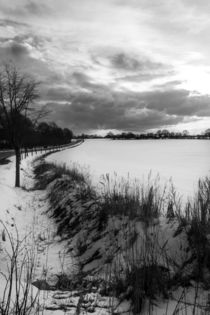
<point x="17" y="173"/>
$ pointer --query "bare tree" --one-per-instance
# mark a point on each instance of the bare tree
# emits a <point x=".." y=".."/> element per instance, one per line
<point x="17" y="93"/>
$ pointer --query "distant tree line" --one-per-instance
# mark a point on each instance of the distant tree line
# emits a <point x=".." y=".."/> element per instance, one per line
<point x="87" y="136"/>
<point x="160" y="134"/>
<point x="41" y="134"/>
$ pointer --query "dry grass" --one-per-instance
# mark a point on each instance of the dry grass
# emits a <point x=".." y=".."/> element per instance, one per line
<point x="45" y="173"/>
<point x="195" y="221"/>
<point x="18" y="297"/>
<point x="139" y="276"/>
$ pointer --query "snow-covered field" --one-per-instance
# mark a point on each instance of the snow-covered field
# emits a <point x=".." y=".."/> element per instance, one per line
<point x="185" y="161"/>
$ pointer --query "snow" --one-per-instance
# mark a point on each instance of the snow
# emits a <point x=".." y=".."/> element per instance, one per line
<point x="26" y="210"/>
<point x="183" y="161"/>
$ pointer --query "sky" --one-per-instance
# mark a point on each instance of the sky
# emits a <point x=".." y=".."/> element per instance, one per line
<point x="119" y="65"/>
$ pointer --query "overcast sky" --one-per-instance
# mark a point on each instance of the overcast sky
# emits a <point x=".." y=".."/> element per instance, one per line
<point x="127" y="65"/>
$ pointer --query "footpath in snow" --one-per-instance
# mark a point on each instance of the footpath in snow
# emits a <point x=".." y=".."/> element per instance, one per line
<point x="23" y="214"/>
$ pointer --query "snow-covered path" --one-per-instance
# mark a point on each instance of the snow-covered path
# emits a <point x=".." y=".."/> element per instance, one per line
<point x="23" y="214"/>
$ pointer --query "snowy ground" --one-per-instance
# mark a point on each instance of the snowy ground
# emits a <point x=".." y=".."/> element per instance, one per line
<point x="183" y="161"/>
<point x="24" y="210"/>
<point x="23" y="215"/>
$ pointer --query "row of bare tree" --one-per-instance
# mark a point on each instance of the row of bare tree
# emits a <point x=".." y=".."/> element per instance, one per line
<point x="40" y="134"/>
<point x="19" y="118"/>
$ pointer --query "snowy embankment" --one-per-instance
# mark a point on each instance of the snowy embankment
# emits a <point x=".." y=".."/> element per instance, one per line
<point x="127" y="246"/>
<point x="26" y="225"/>
<point x="112" y="253"/>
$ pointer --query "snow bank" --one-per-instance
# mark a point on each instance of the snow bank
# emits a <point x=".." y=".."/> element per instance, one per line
<point x="120" y="255"/>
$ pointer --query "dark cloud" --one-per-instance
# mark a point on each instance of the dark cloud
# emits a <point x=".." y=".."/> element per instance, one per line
<point x="122" y="61"/>
<point x="142" y="76"/>
<point x="133" y="68"/>
<point x="57" y="93"/>
<point x="25" y="55"/>
<point x="8" y="22"/>
<point x="20" y="9"/>
<point x="126" y="67"/>
<point x="199" y="105"/>
<point x="107" y="116"/>
<point x="127" y="111"/>
<point x="168" y="98"/>
<point x="81" y="79"/>
<point x="86" y="105"/>
<point x="125" y="62"/>
<point x="178" y="102"/>
<point x="168" y="85"/>
<point x="37" y="8"/>
<point x="34" y="8"/>
<point x="17" y="50"/>
<point x="13" y="50"/>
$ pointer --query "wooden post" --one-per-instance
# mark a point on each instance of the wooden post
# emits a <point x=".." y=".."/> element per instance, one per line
<point x="17" y="171"/>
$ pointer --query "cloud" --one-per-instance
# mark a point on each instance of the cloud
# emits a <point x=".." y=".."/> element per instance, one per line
<point x="169" y="85"/>
<point x="25" y="53"/>
<point x="107" y="115"/>
<point x="121" y="64"/>
<point x="128" y="111"/>
<point x="17" y="50"/>
<point x="178" y="102"/>
<point x="86" y="105"/>
<point x="8" y="22"/>
<point x="125" y="62"/>
<point x="13" y="50"/>
<point x="60" y="94"/>
<point x="35" y="8"/>
<point x="24" y="8"/>
<point x="121" y="61"/>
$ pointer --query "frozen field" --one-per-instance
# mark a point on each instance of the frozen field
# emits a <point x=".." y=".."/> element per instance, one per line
<point x="184" y="161"/>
